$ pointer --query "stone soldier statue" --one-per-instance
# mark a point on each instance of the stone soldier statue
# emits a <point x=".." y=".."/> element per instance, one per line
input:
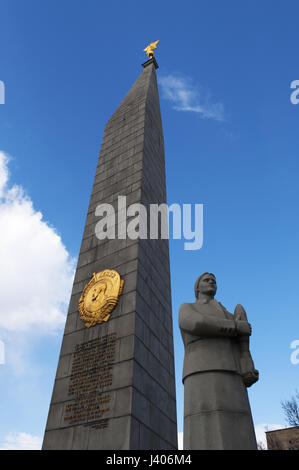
<point x="217" y="369"/>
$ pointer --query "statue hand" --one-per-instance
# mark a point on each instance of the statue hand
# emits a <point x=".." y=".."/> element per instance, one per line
<point x="243" y="328"/>
<point x="240" y="313"/>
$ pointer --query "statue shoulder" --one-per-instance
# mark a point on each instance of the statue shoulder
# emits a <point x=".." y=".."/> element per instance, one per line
<point x="185" y="308"/>
<point x="185" y="314"/>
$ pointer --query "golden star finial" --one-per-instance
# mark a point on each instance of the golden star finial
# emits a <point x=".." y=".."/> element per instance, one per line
<point x="149" y="50"/>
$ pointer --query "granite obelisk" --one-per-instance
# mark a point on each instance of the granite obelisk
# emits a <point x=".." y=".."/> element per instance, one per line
<point x="115" y="384"/>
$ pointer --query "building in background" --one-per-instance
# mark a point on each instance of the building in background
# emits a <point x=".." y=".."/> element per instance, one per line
<point x="283" y="439"/>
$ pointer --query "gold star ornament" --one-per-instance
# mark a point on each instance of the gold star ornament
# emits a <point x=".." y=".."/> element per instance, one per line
<point x="149" y="50"/>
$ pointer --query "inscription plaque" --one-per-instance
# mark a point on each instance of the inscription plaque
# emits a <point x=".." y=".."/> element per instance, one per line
<point x="91" y="376"/>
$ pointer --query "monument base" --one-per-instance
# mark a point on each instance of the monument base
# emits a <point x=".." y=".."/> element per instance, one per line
<point x="221" y="419"/>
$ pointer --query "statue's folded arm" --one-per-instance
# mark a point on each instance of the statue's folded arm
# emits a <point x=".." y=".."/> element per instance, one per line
<point x="199" y="324"/>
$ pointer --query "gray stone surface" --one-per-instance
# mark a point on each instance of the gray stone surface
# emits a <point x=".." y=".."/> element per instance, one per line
<point x="142" y="407"/>
<point x="217" y="369"/>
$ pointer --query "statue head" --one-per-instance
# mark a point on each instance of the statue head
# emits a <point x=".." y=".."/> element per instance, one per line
<point x="205" y="284"/>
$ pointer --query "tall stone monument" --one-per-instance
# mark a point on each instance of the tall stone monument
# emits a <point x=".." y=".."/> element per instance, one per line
<point x="217" y="369"/>
<point x="115" y="384"/>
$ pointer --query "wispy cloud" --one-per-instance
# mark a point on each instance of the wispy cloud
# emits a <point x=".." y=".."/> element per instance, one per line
<point x="21" y="441"/>
<point x="185" y="96"/>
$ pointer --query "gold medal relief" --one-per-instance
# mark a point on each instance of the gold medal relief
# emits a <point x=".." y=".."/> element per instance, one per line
<point x="100" y="296"/>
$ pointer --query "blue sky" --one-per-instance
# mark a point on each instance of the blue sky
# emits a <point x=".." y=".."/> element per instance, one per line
<point x="231" y="142"/>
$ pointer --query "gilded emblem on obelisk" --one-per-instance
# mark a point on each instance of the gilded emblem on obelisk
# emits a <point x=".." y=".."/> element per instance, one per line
<point x="100" y="296"/>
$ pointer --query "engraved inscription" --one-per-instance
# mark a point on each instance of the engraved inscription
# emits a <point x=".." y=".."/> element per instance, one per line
<point x="91" y="375"/>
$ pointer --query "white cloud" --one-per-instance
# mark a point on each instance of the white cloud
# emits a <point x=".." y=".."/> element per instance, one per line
<point x="180" y="441"/>
<point x="260" y="432"/>
<point x="3" y="172"/>
<point x="36" y="270"/>
<point x="21" y="441"/>
<point x="186" y="97"/>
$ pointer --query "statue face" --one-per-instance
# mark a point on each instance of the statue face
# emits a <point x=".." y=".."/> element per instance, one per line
<point x="207" y="285"/>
